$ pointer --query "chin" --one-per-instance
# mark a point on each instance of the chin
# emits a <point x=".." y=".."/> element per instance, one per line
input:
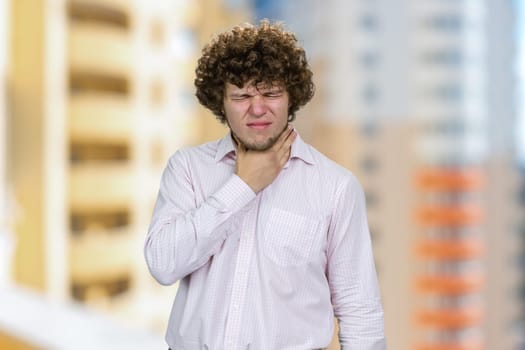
<point x="263" y="145"/>
<point x="260" y="146"/>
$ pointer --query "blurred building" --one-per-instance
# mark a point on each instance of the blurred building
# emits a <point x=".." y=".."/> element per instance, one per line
<point x="100" y="95"/>
<point x="504" y="179"/>
<point x="90" y="88"/>
<point x="416" y="98"/>
<point x="6" y="238"/>
<point x="522" y="258"/>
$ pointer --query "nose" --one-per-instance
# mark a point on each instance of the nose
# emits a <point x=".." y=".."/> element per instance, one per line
<point x="258" y="106"/>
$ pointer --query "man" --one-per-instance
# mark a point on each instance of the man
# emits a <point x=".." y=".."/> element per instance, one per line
<point x="268" y="237"/>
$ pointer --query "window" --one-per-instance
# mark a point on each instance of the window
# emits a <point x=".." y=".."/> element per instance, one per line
<point x="89" y="82"/>
<point x="369" y="59"/>
<point x="98" y="13"/>
<point x="370" y="93"/>
<point x="451" y="57"/>
<point x="450" y="92"/>
<point x="371" y="198"/>
<point x="370" y="128"/>
<point x="452" y="127"/>
<point x="369" y="22"/>
<point x="446" y="22"/>
<point x="83" y="221"/>
<point x="91" y="151"/>
<point x="100" y="290"/>
<point x="370" y="164"/>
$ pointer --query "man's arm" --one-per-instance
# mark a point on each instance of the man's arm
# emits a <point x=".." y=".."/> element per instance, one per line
<point x="182" y="237"/>
<point x="351" y="273"/>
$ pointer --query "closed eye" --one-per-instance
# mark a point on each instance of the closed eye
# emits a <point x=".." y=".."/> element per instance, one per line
<point x="239" y="97"/>
<point x="273" y="94"/>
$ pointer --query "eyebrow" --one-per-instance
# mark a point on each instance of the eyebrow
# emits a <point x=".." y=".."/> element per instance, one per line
<point x="238" y="94"/>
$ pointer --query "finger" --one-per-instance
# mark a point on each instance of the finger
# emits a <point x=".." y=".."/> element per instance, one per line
<point x="284" y="152"/>
<point x="290" y="138"/>
<point x="283" y="137"/>
<point x="284" y="156"/>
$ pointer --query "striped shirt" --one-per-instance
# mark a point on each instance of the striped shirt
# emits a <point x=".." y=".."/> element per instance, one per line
<point x="267" y="270"/>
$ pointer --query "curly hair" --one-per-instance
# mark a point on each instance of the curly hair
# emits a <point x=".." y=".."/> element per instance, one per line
<point x="265" y="54"/>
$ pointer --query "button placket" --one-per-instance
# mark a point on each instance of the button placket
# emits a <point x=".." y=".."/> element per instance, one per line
<point x="240" y="279"/>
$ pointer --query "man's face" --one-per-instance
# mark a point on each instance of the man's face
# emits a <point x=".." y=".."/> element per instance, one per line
<point x="256" y="116"/>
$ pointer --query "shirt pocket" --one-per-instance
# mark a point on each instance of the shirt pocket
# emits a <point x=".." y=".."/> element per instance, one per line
<point x="288" y="237"/>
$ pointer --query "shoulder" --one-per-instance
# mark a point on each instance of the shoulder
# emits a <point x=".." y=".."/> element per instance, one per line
<point x="336" y="184"/>
<point x="190" y="154"/>
<point x="333" y="170"/>
<point x="339" y="182"/>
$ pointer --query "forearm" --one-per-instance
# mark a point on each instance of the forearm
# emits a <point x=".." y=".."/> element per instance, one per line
<point x="179" y="242"/>
<point x="352" y="275"/>
<point x="361" y="327"/>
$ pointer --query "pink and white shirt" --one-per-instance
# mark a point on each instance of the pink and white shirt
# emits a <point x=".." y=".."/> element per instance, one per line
<point x="264" y="271"/>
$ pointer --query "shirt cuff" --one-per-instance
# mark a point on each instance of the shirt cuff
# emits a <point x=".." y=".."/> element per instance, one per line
<point x="235" y="194"/>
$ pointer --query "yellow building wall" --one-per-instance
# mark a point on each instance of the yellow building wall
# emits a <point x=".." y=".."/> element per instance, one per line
<point x="26" y="167"/>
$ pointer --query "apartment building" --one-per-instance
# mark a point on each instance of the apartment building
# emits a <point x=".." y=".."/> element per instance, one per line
<point x="90" y="103"/>
<point x="101" y="94"/>
<point x="414" y="98"/>
<point x="521" y="234"/>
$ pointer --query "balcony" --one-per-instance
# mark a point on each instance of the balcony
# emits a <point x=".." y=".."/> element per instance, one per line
<point x="450" y="249"/>
<point x="449" y="318"/>
<point x="100" y="49"/>
<point x="78" y="7"/>
<point x="100" y="186"/>
<point x="474" y="345"/>
<point x="449" y="284"/>
<point x="448" y="215"/>
<point x="449" y="180"/>
<point x="96" y="256"/>
<point x="98" y="117"/>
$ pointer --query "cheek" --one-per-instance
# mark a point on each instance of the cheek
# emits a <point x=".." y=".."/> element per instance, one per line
<point x="234" y="124"/>
<point x="283" y="111"/>
<point x="232" y="115"/>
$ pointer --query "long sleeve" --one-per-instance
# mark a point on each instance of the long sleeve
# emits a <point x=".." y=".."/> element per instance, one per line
<point x="351" y="272"/>
<point x="183" y="235"/>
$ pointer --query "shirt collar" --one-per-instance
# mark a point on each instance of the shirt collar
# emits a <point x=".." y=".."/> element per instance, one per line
<point x="226" y="148"/>
<point x="300" y="149"/>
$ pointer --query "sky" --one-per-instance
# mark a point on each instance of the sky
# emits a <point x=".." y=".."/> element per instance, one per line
<point x="520" y="67"/>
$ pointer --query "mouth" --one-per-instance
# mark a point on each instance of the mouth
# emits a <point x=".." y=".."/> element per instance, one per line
<point x="259" y="125"/>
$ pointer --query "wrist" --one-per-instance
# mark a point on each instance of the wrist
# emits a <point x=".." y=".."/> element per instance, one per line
<point x="248" y="182"/>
